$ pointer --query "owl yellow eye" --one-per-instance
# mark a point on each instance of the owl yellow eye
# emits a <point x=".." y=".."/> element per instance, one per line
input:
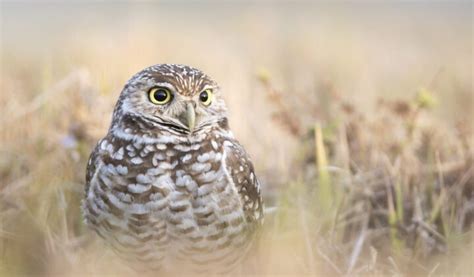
<point x="206" y="97"/>
<point x="160" y="96"/>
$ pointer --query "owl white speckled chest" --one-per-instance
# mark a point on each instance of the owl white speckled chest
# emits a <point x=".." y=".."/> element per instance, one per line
<point x="172" y="200"/>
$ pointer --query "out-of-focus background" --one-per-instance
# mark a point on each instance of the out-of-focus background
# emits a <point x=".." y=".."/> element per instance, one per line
<point x="358" y="117"/>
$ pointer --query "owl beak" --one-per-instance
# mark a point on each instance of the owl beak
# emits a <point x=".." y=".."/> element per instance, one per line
<point x="190" y="116"/>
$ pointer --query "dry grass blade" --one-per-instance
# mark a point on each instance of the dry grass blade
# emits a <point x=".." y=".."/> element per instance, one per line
<point x="358" y="246"/>
<point x="326" y="196"/>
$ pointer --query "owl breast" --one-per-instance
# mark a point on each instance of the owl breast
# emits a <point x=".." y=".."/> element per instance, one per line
<point x="168" y="201"/>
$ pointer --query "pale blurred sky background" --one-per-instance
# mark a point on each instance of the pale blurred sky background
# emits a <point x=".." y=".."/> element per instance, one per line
<point x="380" y="36"/>
<point x="364" y="50"/>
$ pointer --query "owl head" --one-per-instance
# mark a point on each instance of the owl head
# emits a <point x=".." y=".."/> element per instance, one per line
<point x="179" y="98"/>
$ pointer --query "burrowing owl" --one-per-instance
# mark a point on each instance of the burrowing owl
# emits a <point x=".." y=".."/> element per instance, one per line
<point x="169" y="185"/>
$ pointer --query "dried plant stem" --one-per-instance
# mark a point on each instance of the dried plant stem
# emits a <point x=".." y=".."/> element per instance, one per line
<point x="324" y="179"/>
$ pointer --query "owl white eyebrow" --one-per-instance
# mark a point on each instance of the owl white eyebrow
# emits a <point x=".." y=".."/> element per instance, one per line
<point x="207" y="87"/>
<point x="166" y="85"/>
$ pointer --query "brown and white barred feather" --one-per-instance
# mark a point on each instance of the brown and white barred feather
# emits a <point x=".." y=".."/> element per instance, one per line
<point x="165" y="201"/>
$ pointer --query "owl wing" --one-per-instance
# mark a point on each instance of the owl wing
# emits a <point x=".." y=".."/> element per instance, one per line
<point x="241" y="170"/>
<point x="92" y="165"/>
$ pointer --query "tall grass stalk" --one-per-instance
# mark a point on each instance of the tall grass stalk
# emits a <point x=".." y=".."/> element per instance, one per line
<point x="326" y="197"/>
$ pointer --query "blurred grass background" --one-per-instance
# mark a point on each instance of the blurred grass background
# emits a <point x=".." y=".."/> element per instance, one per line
<point x="358" y="117"/>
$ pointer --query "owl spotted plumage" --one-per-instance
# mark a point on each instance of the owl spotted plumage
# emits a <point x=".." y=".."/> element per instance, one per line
<point x="169" y="185"/>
